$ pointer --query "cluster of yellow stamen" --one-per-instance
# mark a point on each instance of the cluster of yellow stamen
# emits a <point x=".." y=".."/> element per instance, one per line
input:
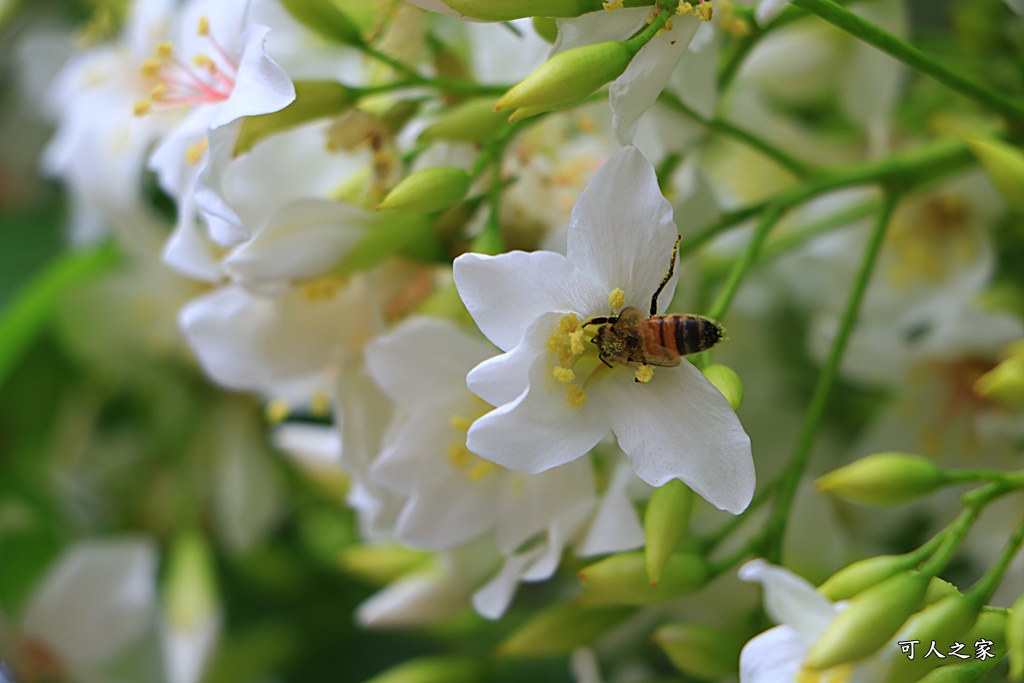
<point x="703" y="10"/>
<point x="461" y="458"/>
<point x="567" y="343"/>
<point x="612" y="6"/>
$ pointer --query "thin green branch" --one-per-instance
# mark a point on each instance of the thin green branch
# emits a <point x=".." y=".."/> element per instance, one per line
<point x="742" y="266"/>
<point x="986" y="586"/>
<point x="912" y="57"/>
<point x="776" y="527"/>
<point x="776" y="154"/>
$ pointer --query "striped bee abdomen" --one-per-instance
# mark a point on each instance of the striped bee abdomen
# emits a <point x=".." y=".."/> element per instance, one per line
<point x="685" y="334"/>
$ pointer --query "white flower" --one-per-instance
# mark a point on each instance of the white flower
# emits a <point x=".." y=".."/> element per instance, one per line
<point x="1016" y="5"/>
<point x="777" y="655"/>
<point x="97" y="600"/>
<point x="553" y="409"/>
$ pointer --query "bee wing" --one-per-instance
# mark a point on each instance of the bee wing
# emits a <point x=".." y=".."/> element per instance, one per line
<point x="661" y="357"/>
<point x="629" y="319"/>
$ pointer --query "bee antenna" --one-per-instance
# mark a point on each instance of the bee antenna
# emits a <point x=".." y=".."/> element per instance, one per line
<point x="668" y="276"/>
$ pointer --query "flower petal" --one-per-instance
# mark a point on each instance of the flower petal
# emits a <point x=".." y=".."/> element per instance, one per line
<point x="506" y="293"/>
<point x="433" y="352"/>
<point x="615" y="526"/>
<point x="598" y="27"/>
<point x="633" y="93"/>
<point x="768" y="10"/>
<point x="493" y="599"/>
<point x="449" y="510"/>
<point x="621" y="232"/>
<point x="261" y="86"/>
<point x="540" y="429"/>
<point x="773" y="657"/>
<point x="499" y="380"/>
<point x="679" y="426"/>
<point x="790" y="599"/>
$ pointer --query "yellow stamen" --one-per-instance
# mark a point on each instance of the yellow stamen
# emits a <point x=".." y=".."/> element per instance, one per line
<point x="458" y="455"/>
<point x="577" y="397"/>
<point x="158" y="93"/>
<point x="194" y="154"/>
<point x="704" y="11"/>
<point x="204" y="62"/>
<point x="150" y="67"/>
<point x="481" y="469"/>
<point x="576" y="346"/>
<point x="204" y="26"/>
<point x="164" y="50"/>
<point x="644" y="373"/>
<point x="461" y="423"/>
<point x="684" y="8"/>
<point x="617" y="299"/>
<point x="277" y="411"/>
<point x="320" y="404"/>
<point x="563" y="375"/>
<point x="142" y="107"/>
<point x="612" y="6"/>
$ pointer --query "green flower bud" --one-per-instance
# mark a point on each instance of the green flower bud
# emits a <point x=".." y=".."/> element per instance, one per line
<point x="946" y="621"/>
<point x="859" y="576"/>
<point x="379" y="565"/>
<point x="561" y="628"/>
<point x="939" y="589"/>
<point x="325" y="18"/>
<point x="622" y="579"/>
<point x="433" y="670"/>
<point x="506" y="10"/>
<point x="313" y="100"/>
<point x="1004" y="383"/>
<point x="665" y="522"/>
<point x="1015" y="639"/>
<point x="429" y="190"/>
<point x="727" y="382"/>
<point x="190" y="589"/>
<point x="700" y="651"/>
<point x="961" y="671"/>
<point x="869" y="621"/>
<point x="1004" y="165"/>
<point x="568" y="77"/>
<point x="883" y="479"/>
<point x="546" y="28"/>
<point x="471" y="121"/>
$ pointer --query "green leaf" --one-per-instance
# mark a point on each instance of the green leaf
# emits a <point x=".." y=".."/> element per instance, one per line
<point x="313" y="100"/>
<point x="29" y="311"/>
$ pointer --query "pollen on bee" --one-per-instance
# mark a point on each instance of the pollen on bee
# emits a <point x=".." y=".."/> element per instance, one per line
<point x="644" y="373"/>
<point x="277" y="411"/>
<point x="617" y="299"/>
<point x="576" y="395"/>
<point x="563" y="375"/>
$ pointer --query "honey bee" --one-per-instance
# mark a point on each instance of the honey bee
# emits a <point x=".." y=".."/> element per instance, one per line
<point x="661" y="340"/>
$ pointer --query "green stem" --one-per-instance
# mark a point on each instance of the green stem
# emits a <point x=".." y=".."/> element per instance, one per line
<point x="801" y="452"/>
<point x="911" y="168"/>
<point x="974" y="502"/>
<point x="644" y="36"/>
<point x="779" y="156"/>
<point x="414" y="78"/>
<point x="742" y="266"/>
<point x="986" y="586"/>
<point x="912" y="57"/>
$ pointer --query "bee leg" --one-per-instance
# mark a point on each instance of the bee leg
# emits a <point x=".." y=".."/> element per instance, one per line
<point x="605" y="361"/>
<point x="600" y="321"/>
<point x="668" y="276"/>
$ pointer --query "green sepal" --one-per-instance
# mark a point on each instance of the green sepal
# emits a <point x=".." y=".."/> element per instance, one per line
<point x="622" y="579"/>
<point x="665" y="522"/>
<point x="561" y="628"/>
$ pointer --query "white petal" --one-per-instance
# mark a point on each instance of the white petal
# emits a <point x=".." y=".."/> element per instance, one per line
<point x="768" y="10"/>
<point x="621" y="231"/>
<point x="186" y="650"/>
<point x="315" y="446"/>
<point x="420" y="444"/>
<point x="424" y="360"/>
<point x="529" y="503"/>
<point x="225" y="226"/>
<point x="98" y="598"/>
<point x="775" y="656"/>
<point x="416" y="600"/>
<point x="540" y="429"/>
<point x="451" y="510"/>
<point x="261" y="86"/>
<point x="679" y="426"/>
<point x="790" y="599"/>
<point x="584" y="666"/>
<point x="506" y="293"/>
<point x="440" y="8"/>
<point x="499" y="380"/>
<point x="633" y="93"/>
<point x="598" y="27"/>
<point x="615" y="527"/>
<point x="493" y="599"/>
<point x="190" y="251"/>
<point x="305" y="239"/>
<point x="1017" y="6"/>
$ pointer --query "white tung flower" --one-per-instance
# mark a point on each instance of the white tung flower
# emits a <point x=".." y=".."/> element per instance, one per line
<point x="555" y="398"/>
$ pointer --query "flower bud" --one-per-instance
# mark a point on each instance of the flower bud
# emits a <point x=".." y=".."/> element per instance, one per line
<point x="429" y="190"/>
<point x="1004" y="383"/>
<point x="883" y="479"/>
<point x="946" y="621"/>
<point x="1015" y="639"/>
<point x="1004" y="165"/>
<point x="622" y="579"/>
<point x="313" y="100"/>
<point x="727" y="382"/>
<point x="665" y="522"/>
<point x="939" y="589"/>
<point x="432" y="670"/>
<point x="546" y="28"/>
<point x="568" y="77"/>
<point x="859" y="576"/>
<point x="379" y="565"/>
<point x="325" y="18"/>
<point x="966" y="671"/>
<point x="561" y="628"/>
<point x="699" y="650"/>
<point x="190" y="591"/>
<point x="507" y="10"/>
<point x="869" y="621"/>
<point x="471" y="121"/>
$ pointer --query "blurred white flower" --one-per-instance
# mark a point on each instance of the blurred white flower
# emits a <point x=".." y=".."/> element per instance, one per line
<point x="534" y="307"/>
